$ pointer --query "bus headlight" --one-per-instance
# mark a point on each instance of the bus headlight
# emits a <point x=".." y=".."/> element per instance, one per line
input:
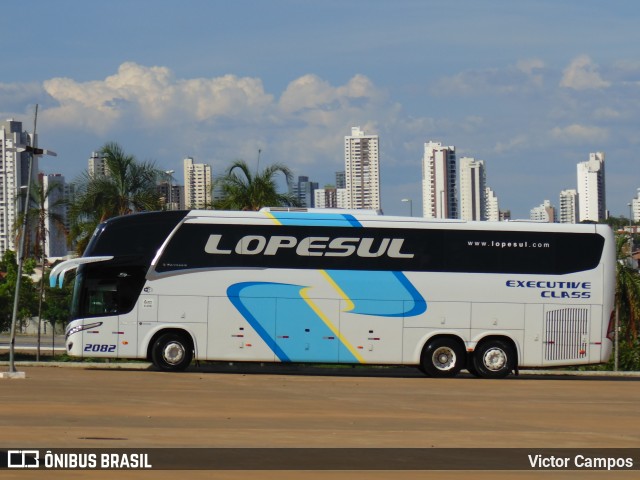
<point x="79" y="328"/>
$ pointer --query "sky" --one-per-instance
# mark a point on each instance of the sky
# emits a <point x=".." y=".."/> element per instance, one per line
<point x="529" y="87"/>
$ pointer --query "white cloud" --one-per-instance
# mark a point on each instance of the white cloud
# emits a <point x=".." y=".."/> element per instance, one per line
<point x="582" y="74"/>
<point x="15" y="96"/>
<point x="524" y="76"/>
<point x="219" y="119"/>
<point x="533" y="68"/>
<point x="580" y="133"/>
<point x="152" y="96"/>
<point x="518" y="142"/>
<point x="607" y="113"/>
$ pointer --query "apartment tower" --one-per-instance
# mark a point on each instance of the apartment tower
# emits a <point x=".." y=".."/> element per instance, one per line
<point x="591" y="189"/>
<point x="569" y="206"/>
<point x="197" y="184"/>
<point x="472" y="189"/>
<point x="439" y="191"/>
<point x="362" y="170"/>
<point x="14" y="173"/>
<point x="56" y="217"/>
<point x="492" y="206"/>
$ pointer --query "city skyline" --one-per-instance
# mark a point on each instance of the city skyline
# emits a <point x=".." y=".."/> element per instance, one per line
<point x="527" y="87"/>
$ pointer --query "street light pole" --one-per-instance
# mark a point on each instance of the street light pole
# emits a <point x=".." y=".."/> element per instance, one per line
<point x="33" y="151"/>
<point x="410" y="205"/>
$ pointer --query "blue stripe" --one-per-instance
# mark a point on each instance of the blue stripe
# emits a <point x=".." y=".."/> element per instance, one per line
<point x="287" y="324"/>
<point x="317" y="219"/>
<point x="234" y="293"/>
<point x="379" y="293"/>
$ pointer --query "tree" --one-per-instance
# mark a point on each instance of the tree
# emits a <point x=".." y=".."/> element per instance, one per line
<point x="28" y="297"/>
<point x="617" y="223"/>
<point x="242" y="190"/>
<point x="127" y="187"/>
<point x="627" y="291"/>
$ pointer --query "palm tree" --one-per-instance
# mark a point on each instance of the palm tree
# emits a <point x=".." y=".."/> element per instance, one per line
<point x="627" y="294"/>
<point x="243" y="190"/>
<point x="127" y="187"/>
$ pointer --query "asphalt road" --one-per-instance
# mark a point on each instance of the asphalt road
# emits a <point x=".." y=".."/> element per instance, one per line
<point x="250" y="407"/>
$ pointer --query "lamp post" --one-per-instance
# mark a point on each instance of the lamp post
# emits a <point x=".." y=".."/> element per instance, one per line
<point x="410" y="201"/>
<point x="33" y="152"/>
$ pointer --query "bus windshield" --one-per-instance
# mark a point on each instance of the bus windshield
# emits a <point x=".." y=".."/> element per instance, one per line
<point x="106" y="289"/>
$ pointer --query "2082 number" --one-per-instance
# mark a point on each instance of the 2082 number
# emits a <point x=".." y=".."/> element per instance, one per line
<point x="99" y="347"/>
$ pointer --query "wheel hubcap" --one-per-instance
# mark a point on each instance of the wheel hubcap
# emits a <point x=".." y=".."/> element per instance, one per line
<point x="495" y="359"/>
<point x="173" y="353"/>
<point x="444" y="358"/>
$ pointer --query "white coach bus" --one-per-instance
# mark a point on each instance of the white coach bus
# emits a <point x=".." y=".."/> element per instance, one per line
<point x="343" y="287"/>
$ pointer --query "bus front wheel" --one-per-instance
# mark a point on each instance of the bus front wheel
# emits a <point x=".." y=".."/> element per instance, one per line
<point x="494" y="359"/>
<point x="172" y="352"/>
<point x="442" y="357"/>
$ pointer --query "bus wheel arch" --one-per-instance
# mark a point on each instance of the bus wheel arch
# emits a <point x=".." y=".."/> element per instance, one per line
<point x="171" y="349"/>
<point x="443" y="356"/>
<point x="494" y="357"/>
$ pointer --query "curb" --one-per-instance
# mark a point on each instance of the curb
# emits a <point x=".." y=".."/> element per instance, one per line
<point x="232" y="366"/>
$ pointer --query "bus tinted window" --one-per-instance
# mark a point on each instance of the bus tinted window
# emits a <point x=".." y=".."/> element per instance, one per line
<point x="134" y="235"/>
<point x="108" y="290"/>
<point x="197" y="246"/>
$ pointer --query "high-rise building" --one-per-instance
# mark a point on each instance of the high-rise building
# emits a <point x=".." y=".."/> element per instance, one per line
<point x="635" y="208"/>
<point x="472" y="189"/>
<point x="303" y="191"/>
<point x="97" y="165"/>
<point x="197" y="184"/>
<point x="546" y="212"/>
<point x="171" y="195"/>
<point x="492" y="208"/>
<point x="569" y="206"/>
<point x="591" y="189"/>
<point x="439" y="186"/>
<point x="14" y="173"/>
<point x="56" y="212"/>
<point x="330" y="197"/>
<point x="340" y="180"/>
<point x="362" y="170"/>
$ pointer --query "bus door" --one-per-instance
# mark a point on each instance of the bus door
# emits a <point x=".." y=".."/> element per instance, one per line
<point x="147" y="314"/>
<point x="128" y="334"/>
<point x="112" y="292"/>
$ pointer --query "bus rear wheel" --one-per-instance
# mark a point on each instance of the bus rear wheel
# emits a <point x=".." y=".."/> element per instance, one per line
<point x="172" y="352"/>
<point x="442" y="357"/>
<point x="494" y="359"/>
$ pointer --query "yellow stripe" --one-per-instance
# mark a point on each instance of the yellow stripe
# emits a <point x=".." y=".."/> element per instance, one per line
<point x="336" y="332"/>
<point x="350" y="306"/>
<point x="270" y="215"/>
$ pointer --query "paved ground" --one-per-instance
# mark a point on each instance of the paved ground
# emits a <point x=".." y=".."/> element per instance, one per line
<point x="270" y="407"/>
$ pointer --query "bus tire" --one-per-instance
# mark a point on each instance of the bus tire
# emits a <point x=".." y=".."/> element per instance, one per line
<point x="172" y="352"/>
<point x="494" y="358"/>
<point x="442" y="357"/>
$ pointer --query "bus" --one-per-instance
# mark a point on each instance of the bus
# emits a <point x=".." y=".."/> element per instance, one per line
<point x="338" y="286"/>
